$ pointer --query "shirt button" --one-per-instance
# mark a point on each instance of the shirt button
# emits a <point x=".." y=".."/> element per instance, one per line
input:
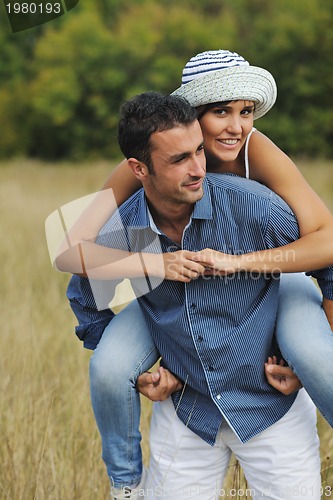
<point x="193" y="305"/>
<point x="210" y="368"/>
<point x="200" y="338"/>
<point x="218" y="396"/>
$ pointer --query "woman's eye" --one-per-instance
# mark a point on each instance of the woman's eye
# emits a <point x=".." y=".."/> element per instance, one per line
<point x="247" y="111"/>
<point x="219" y="111"/>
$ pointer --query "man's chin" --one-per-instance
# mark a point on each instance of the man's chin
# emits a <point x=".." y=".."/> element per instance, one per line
<point x="196" y="195"/>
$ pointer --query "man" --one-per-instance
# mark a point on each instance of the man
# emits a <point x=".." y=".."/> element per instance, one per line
<point x="213" y="333"/>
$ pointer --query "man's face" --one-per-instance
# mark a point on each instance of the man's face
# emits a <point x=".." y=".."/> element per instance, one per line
<point x="179" y="165"/>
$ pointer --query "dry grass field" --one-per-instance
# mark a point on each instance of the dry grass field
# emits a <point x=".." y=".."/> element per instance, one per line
<point x="49" y="445"/>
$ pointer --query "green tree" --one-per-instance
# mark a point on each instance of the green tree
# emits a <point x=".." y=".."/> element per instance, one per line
<point x="85" y="70"/>
<point x="61" y="84"/>
<point x="72" y="89"/>
<point x="296" y="46"/>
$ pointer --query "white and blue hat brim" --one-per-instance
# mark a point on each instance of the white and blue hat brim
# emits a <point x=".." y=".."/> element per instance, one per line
<point x="243" y="82"/>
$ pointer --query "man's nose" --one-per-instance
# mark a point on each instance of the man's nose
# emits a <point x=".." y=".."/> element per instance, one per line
<point x="198" y="166"/>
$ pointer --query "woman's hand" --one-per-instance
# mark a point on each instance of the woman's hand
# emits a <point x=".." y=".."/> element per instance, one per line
<point x="217" y="263"/>
<point x="185" y="266"/>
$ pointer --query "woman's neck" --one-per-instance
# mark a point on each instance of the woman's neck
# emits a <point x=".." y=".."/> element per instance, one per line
<point x="236" y="166"/>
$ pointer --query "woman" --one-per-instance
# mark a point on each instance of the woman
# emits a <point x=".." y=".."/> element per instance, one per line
<point x="214" y="82"/>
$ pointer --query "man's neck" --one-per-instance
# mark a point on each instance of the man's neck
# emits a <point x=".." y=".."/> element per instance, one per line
<point x="171" y="220"/>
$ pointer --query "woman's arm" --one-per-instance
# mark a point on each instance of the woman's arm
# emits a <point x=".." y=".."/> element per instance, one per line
<point x="120" y="185"/>
<point x="76" y="252"/>
<point x="79" y="254"/>
<point x="123" y="183"/>
<point x="314" y="250"/>
<point x="268" y="164"/>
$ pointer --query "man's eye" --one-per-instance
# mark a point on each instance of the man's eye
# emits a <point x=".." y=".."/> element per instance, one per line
<point x="179" y="160"/>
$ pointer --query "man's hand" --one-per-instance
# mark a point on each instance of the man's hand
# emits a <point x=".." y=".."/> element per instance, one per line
<point x="281" y="377"/>
<point x="158" y="386"/>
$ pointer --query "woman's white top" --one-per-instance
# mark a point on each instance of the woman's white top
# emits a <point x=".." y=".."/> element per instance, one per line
<point x="247" y="165"/>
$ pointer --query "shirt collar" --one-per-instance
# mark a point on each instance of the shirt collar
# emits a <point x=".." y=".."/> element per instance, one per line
<point x="202" y="210"/>
<point x="152" y="222"/>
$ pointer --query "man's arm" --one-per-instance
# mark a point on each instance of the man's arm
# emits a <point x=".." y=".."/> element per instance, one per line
<point x="159" y="385"/>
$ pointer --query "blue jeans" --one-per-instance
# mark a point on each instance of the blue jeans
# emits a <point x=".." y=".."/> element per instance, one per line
<point x="305" y="339"/>
<point x="126" y="350"/>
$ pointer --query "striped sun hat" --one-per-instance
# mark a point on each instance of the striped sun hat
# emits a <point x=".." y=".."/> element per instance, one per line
<point x="221" y="75"/>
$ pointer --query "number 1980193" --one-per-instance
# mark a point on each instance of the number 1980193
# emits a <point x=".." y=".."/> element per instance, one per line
<point x="33" y="8"/>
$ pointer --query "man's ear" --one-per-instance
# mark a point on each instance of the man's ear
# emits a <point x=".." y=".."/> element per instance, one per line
<point x="139" y="169"/>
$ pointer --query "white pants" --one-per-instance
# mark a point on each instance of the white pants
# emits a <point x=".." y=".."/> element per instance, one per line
<point x="280" y="463"/>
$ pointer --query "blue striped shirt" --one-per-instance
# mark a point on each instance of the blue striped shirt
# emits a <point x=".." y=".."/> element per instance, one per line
<point x="215" y="333"/>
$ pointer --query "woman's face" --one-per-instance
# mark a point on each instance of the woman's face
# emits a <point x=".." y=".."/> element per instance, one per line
<point x="225" y="127"/>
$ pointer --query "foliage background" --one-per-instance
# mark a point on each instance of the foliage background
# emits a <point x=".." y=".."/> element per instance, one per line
<point x="61" y="83"/>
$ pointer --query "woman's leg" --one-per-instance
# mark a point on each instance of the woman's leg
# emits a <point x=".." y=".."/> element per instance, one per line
<point x="124" y="351"/>
<point x="306" y="339"/>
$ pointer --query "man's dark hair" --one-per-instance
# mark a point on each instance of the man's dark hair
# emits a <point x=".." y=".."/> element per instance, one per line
<point x="145" y="114"/>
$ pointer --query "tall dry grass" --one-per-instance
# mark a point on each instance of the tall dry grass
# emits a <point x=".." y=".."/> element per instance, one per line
<point x="49" y="444"/>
